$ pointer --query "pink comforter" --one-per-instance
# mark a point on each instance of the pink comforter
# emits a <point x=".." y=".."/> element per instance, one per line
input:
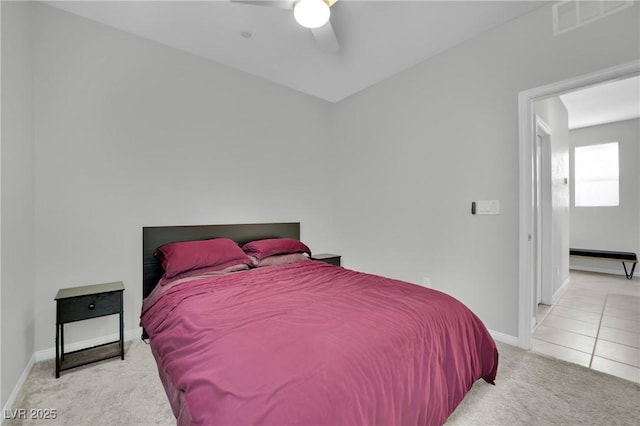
<point x="310" y="343"/>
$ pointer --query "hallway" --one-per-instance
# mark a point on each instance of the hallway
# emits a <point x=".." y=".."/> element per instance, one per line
<point x="596" y="323"/>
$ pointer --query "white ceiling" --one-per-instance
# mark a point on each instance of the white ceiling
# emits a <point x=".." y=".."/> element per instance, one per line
<point x="377" y="38"/>
<point x="604" y="103"/>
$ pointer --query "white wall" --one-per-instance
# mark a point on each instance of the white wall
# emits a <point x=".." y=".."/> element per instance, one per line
<point x="130" y="133"/>
<point x="418" y="148"/>
<point x="17" y="191"/>
<point x="609" y="228"/>
<point x="555" y="115"/>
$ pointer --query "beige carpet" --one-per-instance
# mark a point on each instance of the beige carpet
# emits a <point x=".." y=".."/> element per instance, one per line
<point x="530" y="390"/>
<point x="111" y="392"/>
<point x="533" y="389"/>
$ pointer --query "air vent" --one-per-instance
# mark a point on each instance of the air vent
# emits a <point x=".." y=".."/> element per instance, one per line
<point x="571" y="14"/>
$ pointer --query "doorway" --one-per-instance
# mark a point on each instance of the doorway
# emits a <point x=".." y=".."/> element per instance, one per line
<point x="529" y="241"/>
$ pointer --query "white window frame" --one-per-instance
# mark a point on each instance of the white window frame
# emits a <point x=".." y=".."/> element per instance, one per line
<point x="597" y="175"/>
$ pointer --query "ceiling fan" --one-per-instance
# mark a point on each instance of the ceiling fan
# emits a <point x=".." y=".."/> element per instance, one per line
<point x="312" y="14"/>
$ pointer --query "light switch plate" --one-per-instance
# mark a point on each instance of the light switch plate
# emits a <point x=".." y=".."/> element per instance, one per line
<point x="488" y="207"/>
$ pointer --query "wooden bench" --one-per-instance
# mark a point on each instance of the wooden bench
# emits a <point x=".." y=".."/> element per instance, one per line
<point x="618" y="256"/>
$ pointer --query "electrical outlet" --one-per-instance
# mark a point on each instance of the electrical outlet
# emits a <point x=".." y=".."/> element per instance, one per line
<point x="426" y="282"/>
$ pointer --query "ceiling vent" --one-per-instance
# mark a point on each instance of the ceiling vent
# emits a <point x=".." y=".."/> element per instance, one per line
<point x="571" y="14"/>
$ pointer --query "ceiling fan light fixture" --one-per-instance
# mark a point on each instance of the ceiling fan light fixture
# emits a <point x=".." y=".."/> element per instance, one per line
<point x="311" y="13"/>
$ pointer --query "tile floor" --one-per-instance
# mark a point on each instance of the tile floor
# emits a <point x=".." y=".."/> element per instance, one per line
<point x="596" y="323"/>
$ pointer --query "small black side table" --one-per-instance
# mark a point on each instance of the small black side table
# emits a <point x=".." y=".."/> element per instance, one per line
<point x="332" y="259"/>
<point x="81" y="303"/>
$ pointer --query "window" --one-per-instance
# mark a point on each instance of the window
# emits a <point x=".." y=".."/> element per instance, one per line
<point x="597" y="175"/>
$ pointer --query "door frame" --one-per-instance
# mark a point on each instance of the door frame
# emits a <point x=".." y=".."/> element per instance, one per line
<point x="526" y="152"/>
<point x="543" y="217"/>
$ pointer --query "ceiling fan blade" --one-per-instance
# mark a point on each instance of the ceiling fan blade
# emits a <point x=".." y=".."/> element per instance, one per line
<point x="326" y="38"/>
<point x="281" y="4"/>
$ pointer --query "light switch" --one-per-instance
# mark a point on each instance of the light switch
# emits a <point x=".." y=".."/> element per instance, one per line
<point x="488" y="207"/>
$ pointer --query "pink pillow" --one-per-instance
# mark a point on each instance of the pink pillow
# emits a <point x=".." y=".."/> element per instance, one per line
<point x="264" y="248"/>
<point x="281" y="259"/>
<point x="183" y="256"/>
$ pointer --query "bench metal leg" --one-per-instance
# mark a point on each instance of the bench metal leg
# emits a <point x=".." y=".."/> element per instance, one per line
<point x="629" y="274"/>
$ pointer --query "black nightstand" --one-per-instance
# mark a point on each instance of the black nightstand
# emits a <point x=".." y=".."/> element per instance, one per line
<point x="333" y="259"/>
<point x="81" y="303"/>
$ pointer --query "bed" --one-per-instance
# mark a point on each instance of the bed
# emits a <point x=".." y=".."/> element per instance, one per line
<point x="304" y="342"/>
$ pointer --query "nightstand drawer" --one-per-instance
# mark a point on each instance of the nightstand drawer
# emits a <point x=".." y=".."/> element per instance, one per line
<point x="90" y="306"/>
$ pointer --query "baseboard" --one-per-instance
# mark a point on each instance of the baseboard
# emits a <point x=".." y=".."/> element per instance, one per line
<point x="16" y="390"/>
<point x="504" y="338"/>
<point x="562" y="290"/>
<point x="50" y="353"/>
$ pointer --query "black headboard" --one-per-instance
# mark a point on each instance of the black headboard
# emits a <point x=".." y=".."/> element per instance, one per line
<point x="155" y="236"/>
